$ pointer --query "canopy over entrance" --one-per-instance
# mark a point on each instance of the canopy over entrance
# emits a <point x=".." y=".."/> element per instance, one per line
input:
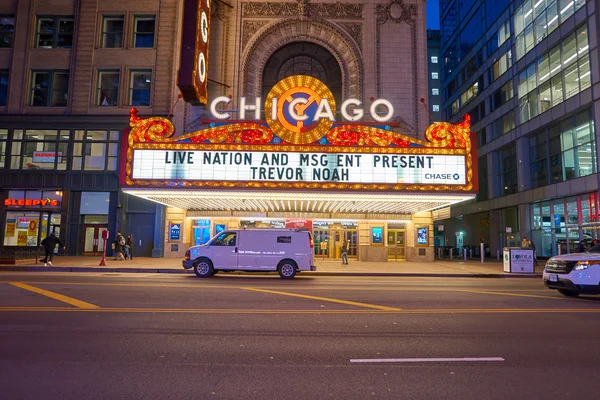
<point x="280" y="204"/>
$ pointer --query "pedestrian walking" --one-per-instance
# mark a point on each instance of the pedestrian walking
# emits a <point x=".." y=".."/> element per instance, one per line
<point x="581" y="246"/>
<point x="345" y="252"/>
<point x="128" y="248"/>
<point x="119" y="244"/>
<point x="532" y="245"/>
<point x="49" y="244"/>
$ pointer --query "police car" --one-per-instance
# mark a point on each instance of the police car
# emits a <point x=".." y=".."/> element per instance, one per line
<point x="574" y="274"/>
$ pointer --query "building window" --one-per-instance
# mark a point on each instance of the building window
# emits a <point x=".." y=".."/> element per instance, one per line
<point x="435" y="108"/>
<point x="435" y="92"/>
<point x="54" y="32"/>
<point x="107" y="88"/>
<point x="482" y="178"/>
<point x="549" y="81"/>
<point x="112" y="31"/>
<point x="3" y="87"/>
<point x="7" y="31"/>
<point x="470" y="93"/>
<point x="504" y="124"/>
<point x="40" y="149"/>
<point x="49" y="88"/>
<point x="95" y="150"/>
<point x="3" y="139"/>
<point x="503" y="33"/>
<point x="502" y="95"/>
<point x="509" y="170"/>
<point x="434" y="75"/>
<point x="140" y="83"/>
<point x="502" y="65"/>
<point x="572" y="148"/>
<point x="143" y="31"/>
<point x="536" y="19"/>
<point x="538" y="160"/>
<point x="434" y="60"/>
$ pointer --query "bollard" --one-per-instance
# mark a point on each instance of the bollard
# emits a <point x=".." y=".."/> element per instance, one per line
<point x="451" y="251"/>
<point x="558" y="249"/>
<point x="471" y="254"/>
<point x="465" y="254"/>
<point x="440" y="253"/>
<point x="497" y="254"/>
<point x="482" y="250"/>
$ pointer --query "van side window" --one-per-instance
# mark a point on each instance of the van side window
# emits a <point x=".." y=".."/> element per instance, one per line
<point x="225" y="239"/>
<point x="284" y="239"/>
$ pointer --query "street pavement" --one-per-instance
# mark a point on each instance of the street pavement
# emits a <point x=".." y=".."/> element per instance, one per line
<point x="169" y="336"/>
<point x="452" y="268"/>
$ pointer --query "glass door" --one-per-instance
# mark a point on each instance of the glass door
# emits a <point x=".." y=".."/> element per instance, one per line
<point x="352" y="237"/>
<point x="93" y="244"/>
<point x="322" y="238"/>
<point x="396" y="245"/>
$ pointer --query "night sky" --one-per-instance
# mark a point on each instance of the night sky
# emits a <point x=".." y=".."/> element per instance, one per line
<point x="433" y="14"/>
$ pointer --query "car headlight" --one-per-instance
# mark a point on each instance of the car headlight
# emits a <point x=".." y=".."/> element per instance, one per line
<point x="581" y="265"/>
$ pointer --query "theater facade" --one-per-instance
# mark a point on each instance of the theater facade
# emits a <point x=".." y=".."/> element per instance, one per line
<point x="368" y="183"/>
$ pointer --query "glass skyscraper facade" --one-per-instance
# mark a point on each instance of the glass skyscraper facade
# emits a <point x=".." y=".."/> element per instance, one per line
<point x="527" y="73"/>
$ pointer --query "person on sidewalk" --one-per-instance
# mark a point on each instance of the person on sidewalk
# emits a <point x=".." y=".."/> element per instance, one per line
<point x="130" y="244"/>
<point x="119" y="244"/>
<point x="345" y="252"/>
<point x="127" y="248"/>
<point x="49" y="245"/>
<point x="525" y="243"/>
<point x="535" y="261"/>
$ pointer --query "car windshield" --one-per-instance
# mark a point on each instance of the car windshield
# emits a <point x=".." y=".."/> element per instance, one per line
<point x="594" y="249"/>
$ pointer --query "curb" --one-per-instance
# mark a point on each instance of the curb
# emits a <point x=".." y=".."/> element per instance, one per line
<point x="304" y="273"/>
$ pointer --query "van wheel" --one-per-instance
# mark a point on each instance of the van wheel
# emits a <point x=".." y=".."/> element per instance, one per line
<point x="568" y="293"/>
<point x="287" y="269"/>
<point x="204" y="268"/>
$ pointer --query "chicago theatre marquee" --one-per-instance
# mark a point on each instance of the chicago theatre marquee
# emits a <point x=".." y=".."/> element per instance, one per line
<point x="307" y="117"/>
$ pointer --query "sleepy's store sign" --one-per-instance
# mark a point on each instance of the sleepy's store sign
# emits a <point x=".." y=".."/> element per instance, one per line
<point x="300" y="146"/>
<point x="31" y="203"/>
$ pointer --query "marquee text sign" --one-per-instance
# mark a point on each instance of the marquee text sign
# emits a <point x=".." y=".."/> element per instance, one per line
<point x="298" y="167"/>
<point x="300" y="145"/>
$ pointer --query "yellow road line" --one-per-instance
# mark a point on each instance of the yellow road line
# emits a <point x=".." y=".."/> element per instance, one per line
<point x="351" y="303"/>
<point x="263" y="311"/>
<point x="512" y="294"/>
<point x="55" y="296"/>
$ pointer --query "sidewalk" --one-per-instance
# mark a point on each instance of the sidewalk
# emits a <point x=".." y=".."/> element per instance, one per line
<point x="444" y="268"/>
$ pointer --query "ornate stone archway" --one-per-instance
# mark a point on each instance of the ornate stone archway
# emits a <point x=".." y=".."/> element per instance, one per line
<point x="273" y="36"/>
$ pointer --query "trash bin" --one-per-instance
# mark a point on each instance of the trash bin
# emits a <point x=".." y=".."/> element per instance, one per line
<point x="517" y="259"/>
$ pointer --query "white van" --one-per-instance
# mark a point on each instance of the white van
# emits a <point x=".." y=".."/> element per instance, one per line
<point x="286" y="251"/>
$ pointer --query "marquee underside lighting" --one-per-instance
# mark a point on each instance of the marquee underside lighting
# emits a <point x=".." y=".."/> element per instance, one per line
<point x="272" y="203"/>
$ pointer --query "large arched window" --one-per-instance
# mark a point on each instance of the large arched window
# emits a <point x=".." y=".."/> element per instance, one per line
<point x="303" y="58"/>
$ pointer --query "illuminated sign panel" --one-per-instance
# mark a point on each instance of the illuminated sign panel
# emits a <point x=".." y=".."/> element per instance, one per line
<point x="192" y="77"/>
<point x="298" y="167"/>
<point x="46" y="157"/>
<point x="31" y="203"/>
<point x="300" y="146"/>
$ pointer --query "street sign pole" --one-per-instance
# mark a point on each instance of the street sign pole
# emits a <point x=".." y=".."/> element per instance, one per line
<point x="104" y="237"/>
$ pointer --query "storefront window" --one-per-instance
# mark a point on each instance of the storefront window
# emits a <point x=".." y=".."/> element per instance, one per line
<point x="511" y="220"/>
<point x="31" y="216"/>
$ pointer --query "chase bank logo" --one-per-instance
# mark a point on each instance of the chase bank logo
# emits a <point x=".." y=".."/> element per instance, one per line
<point x="299" y="104"/>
